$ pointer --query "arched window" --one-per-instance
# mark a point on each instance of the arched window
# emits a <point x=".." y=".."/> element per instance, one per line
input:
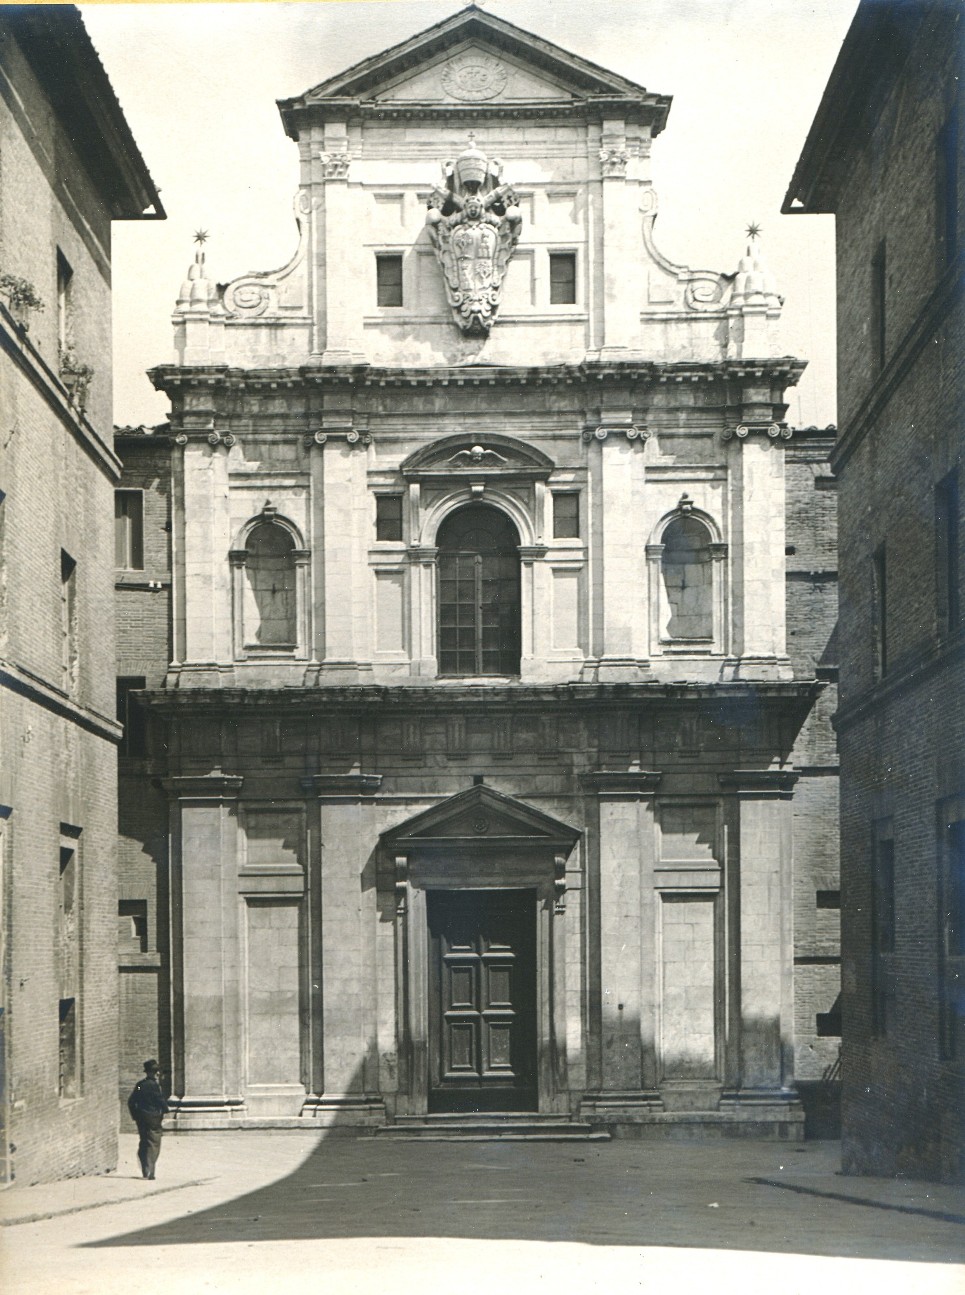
<point x="270" y="602"/>
<point x="686" y="569"/>
<point x="479" y="621"/>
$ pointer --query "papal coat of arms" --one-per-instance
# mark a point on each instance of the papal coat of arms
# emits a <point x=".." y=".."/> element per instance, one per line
<point x="474" y="224"/>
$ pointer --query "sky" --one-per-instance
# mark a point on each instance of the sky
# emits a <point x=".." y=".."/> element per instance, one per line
<point x="198" y="84"/>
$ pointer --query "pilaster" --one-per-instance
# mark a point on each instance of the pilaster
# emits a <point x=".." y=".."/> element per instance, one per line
<point x="627" y="1061"/>
<point x="759" y="568"/>
<point x="762" y="1025"/>
<point x="347" y="1063"/>
<point x="205" y="950"/>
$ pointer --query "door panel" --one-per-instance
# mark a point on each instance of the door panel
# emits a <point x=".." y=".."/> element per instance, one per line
<point x="482" y="1014"/>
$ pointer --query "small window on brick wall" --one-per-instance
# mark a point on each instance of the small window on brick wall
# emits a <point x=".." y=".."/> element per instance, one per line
<point x="562" y="278"/>
<point x="388" y="517"/>
<point x="827" y="1025"/>
<point x="883" y="928"/>
<point x="132" y="926"/>
<point x="566" y="515"/>
<point x="829" y="899"/>
<point x="130" y="714"/>
<point x="388" y="278"/>
<point x="129" y="529"/>
<point x="68" y="618"/>
<point x="67" y="1068"/>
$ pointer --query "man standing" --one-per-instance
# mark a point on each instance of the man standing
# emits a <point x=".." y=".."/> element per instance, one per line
<point x="148" y="1108"/>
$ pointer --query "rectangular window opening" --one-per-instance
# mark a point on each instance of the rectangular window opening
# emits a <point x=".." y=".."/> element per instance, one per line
<point x="946" y="197"/>
<point x="68" y="618"/>
<point x="879" y="270"/>
<point x="947" y="560"/>
<point x="953" y="940"/>
<point x="828" y="899"/>
<point x="388" y="278"/>
<point x="827" y="1025"/>
<point x="67" y="1067"/>
<point x="132" y="925"/>
<point x="129" y="529"/>
<point x="562" y="278"/>
<point x="566" y="515"/>
<point x="65" y="276"/>
<point x="388" y="517"/>
<point x="130" y="713"/>
<point x="883" y="929"/>
<point x="879" y="604"/>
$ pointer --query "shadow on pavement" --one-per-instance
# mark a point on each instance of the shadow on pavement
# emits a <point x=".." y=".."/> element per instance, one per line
<point x="621" y="1193"/>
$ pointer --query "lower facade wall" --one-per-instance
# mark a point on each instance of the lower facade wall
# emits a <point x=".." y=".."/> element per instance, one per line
<point x="295" y="953"/>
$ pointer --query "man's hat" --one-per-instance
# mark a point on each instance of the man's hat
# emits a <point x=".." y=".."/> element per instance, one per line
<point x="151" y="1066"/>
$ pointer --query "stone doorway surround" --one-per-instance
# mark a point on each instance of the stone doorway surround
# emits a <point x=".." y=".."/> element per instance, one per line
<point x="480" y="839"/>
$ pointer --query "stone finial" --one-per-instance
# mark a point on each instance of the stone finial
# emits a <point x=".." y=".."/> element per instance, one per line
<point x="754" y="284"/>
<point x="198" y="293"/>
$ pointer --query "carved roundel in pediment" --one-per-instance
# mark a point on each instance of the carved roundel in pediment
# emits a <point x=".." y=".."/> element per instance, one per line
<point x="474" y="77"/>
<point x="477" y="456"/>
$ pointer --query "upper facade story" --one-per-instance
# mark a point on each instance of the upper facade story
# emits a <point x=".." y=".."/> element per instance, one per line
<point x="477" y="315"/>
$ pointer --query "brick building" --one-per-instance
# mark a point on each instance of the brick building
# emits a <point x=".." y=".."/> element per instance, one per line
<point x="884" y="155"/>
<point x="68" y="167"/>
<point x="488" y="767"/>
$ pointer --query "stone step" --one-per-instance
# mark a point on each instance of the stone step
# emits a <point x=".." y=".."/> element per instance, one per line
<point x="478" y="1128"/>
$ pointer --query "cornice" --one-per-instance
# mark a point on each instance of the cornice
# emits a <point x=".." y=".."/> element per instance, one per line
<point x="215" y="785"/>
<point x="622" y="784"/>
<point x="913" y="672"/>
<point x="759" y="782"/>
<point x="341" y="785"/>
<point x="30" y="686"/>
<point x="385" y="698"/>
<point x="784" y="369"/>
<point x="15" y="342"/>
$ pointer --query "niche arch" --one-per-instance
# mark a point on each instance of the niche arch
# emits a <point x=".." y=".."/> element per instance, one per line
<point x="269" y="585"/>
<point x="687" y="583"/>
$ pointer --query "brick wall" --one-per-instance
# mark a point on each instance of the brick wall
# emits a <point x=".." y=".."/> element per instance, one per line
<point x="902" y="736"/>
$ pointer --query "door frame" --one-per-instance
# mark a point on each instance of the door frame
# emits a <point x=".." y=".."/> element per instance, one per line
<point x="435" y="1006"/>
<point x="480" y="839"/>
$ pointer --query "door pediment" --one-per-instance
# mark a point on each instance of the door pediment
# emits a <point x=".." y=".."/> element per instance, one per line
<point x="480" y="818"/>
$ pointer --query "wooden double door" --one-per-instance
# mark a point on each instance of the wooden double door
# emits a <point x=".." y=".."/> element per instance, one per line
<point x="482" y="1008"/>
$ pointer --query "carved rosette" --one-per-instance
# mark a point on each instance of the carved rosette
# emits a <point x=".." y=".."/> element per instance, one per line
<point x="474" y="77"/>
<point x="474" y="225"/>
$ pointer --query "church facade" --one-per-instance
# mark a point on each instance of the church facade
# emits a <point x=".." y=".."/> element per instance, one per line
<point x="487" y="770"/>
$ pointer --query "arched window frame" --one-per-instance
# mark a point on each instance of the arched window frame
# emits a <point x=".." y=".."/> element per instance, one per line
<point x="661" y="643"/>
<point x="238" y="555"/>
<point x="427" y="590"/>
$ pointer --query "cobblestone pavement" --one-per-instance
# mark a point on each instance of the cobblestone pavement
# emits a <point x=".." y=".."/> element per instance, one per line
<point x="265" y="1211"/>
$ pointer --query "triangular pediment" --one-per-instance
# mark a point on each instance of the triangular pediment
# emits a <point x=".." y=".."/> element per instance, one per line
<point x="475" y="72"/>
<point x="473" y="57"/>
<point x="480" y="817"/>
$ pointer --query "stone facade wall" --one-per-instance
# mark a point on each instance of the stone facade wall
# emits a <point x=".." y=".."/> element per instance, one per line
<point x="654" y="772"/>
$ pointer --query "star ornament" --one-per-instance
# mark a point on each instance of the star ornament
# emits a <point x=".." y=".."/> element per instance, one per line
<point x="201" y="237"/>
<point x="753" y="230"/>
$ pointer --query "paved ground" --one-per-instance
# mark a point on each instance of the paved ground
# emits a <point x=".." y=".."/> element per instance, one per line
<point x="260" y="1211"/>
